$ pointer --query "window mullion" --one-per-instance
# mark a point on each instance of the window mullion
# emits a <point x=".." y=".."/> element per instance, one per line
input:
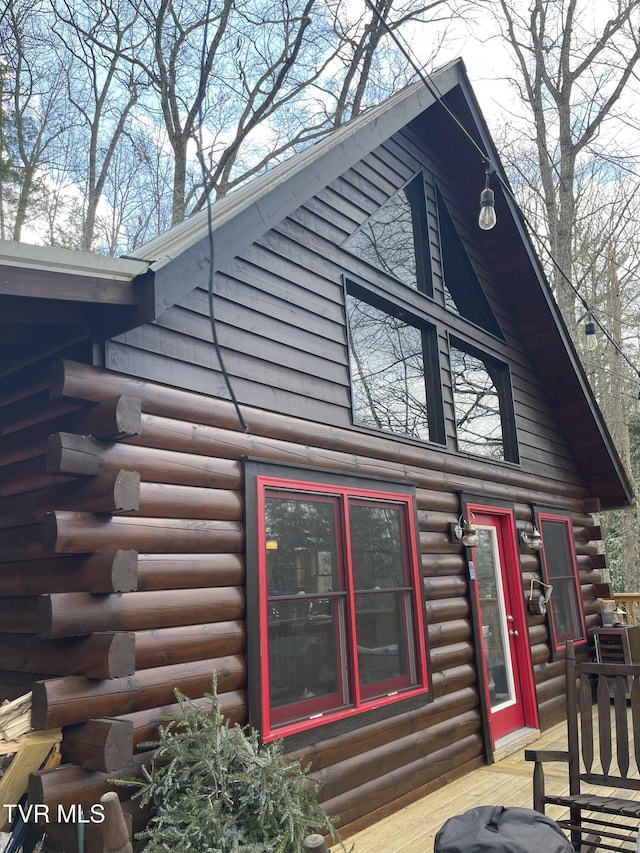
<point x="352" y="639"/>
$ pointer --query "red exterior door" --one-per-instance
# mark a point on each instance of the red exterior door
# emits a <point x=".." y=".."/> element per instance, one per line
<point x="508" y="678"/>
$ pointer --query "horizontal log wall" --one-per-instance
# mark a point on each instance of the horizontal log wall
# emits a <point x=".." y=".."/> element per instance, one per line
<point x="125" y="604"/>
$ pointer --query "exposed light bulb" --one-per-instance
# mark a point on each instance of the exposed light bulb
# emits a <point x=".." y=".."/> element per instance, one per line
<point x="590" y="334"/>
<point x="487" y="218"/>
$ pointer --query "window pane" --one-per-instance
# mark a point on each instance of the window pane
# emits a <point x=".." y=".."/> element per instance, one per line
<point x="300" y="545"/>
<point x="491" y="597"/>
<point x="384" y="649"/>
<point x="305" y="650"/>
<point x="305" y="606"/>
<point x="377" y="549"/>
<point x="386" y="240"/>
<point x="388" y="371"/>
<point x="564" y="607"/>
<point x="477" y="406"/>
<point x="559" y="565"/>
<point x="384" y="619"/>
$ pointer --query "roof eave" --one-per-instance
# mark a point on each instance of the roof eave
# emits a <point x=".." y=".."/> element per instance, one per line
<point x="178" y="257"/>
<point x="610" y="498"/>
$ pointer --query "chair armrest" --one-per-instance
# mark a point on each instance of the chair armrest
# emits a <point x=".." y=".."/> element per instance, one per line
<point x="540" y="755"/>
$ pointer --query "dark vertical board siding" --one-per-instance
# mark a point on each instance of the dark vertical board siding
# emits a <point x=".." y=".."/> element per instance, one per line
<point x="281" y="316"/>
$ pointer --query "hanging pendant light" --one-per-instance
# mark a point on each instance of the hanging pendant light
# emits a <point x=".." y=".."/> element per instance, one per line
<point x="487" y="218"/>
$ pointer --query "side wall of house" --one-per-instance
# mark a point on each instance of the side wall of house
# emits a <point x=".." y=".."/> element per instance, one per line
<point x="122" y="578"/>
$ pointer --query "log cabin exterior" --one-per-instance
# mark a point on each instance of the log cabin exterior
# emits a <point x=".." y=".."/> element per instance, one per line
<point x="399" y="376"/>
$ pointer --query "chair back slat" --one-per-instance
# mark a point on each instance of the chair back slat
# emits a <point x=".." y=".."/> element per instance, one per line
<point x="622" y="726"/>
<point x="573" y="738"/>
<point x="585" y="700"/>
<point x="634" y="701"/>
<point x="604" y="722"/>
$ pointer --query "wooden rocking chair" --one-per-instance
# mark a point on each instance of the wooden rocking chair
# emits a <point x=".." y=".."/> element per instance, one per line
<point x="608" y="819"/>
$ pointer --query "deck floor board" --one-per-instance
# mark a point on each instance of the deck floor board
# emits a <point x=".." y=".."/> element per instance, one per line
<point x="413" y="828"/>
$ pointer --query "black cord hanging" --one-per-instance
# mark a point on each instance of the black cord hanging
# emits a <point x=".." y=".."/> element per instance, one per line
<point x="210" y="232"/>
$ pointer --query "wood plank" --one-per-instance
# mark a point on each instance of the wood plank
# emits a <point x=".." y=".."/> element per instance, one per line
<point x="52" y="285"/>
<point x="203" y="381"/>
<point x="15" y="717"/>
<point x="412" y="829"/>
<point x="32" y="750"/>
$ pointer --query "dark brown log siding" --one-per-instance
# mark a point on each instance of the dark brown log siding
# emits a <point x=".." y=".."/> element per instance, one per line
<point x="194" y="445"/>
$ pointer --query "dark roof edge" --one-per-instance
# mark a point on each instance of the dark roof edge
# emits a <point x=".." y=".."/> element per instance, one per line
<point x="552" y="305"/>
<point x="266" y="200"/>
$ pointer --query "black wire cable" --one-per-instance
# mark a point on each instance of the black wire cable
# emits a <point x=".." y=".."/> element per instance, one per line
<point x="433" y="89"/>
<point x="210" y="230"/>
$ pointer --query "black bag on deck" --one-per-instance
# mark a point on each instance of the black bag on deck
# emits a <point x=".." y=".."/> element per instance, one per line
<point x="496" y="829"/>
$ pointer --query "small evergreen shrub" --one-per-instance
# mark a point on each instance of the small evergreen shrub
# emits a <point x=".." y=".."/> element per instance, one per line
<point x="214" y="788"/>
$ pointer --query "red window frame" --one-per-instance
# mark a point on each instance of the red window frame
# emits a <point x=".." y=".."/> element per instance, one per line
<point x="559" y="640"/>
<point x="357" y="698"/>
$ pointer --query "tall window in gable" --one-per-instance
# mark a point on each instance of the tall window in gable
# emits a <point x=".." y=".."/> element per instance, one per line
<point x="485" y="424"/>
<point x="394" y="344"/>
<point x="340" y="607"/>
<point x="463" y="292"/>
<point x="566" y="616"/>
<point x="392" y="239"/>
<point x="395" y="382"/>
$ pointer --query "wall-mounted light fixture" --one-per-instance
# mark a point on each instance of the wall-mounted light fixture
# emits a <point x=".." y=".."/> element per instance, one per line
<point x="538" y="604"/>
<point x="487" y="217"/>
<point x="271" y="545"/>
<point x="463" y="531"/>
<point x="533" y="539"/>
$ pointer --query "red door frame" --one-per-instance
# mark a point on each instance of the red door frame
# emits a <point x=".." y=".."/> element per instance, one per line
<point x="504" y="518"/>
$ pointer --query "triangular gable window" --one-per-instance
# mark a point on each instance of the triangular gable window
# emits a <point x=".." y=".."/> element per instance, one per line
<point x="393" y="238"/>
<point x="463" y="292"/>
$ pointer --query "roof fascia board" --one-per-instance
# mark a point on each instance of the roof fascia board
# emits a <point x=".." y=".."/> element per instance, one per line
<point x="53" y="259"/>
<point x="182" y="256"/>
<point x="45" y="272"/>
<point x="59" y="286"/>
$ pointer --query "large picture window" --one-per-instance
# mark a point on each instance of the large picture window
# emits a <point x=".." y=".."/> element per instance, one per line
<point x="392" y="239"/>
<point x="566" y="616"/>
<point x="339" y="603"/>
<point x="485" y="422"/>
<point x="399" y="381"/>
<point x="395" y="381"/>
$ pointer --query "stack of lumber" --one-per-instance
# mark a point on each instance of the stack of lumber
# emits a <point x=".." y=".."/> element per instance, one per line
<point x="30" y="750"/>
<point x="15" y="717"/>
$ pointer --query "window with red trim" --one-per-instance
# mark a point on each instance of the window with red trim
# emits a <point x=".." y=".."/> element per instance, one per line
<point x="341" y="614"/>
<point x="566" y="614"/>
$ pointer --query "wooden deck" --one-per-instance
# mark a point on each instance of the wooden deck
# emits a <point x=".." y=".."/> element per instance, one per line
<point x="508" y="782"/>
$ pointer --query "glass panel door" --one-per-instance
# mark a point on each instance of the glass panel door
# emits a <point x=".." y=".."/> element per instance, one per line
<point x="504" y="650"/>
<point x="495" y="621"/>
